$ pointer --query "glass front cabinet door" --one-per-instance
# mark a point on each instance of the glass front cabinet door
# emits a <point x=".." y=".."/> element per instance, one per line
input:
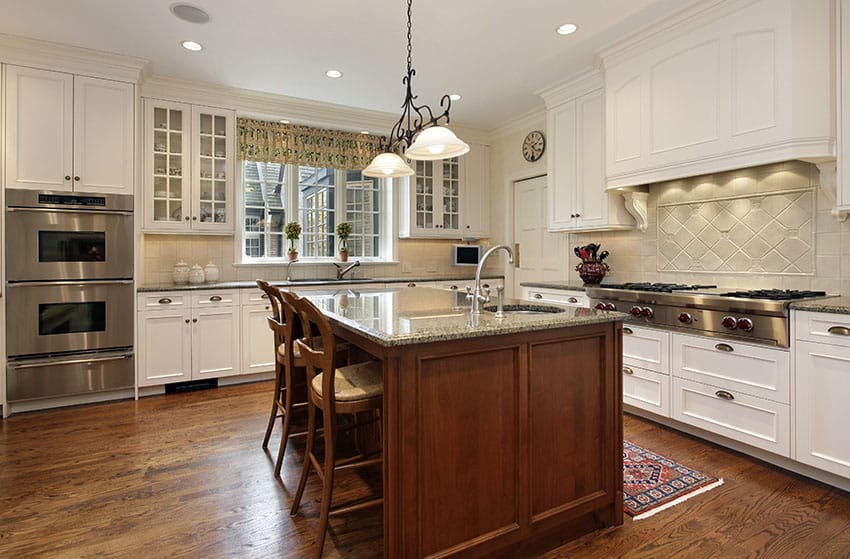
<point x="188" y="168"/>
<point x="433" y="200"/>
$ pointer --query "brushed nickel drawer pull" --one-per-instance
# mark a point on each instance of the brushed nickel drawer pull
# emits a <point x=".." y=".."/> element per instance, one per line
<point x="628" y="370"/>
<point x="165" y="301"/>
<point x="453" y="288"/>
<point x="215" y="298"/>
<point x="627" y="331"/>
<point x="411" y="284"/>
<point x="725" y="395"/>
<point x="572" y="300"/>
<point x="538" y="296"/>
<point x="839" y="330"/>
<point x="724" y="347"/>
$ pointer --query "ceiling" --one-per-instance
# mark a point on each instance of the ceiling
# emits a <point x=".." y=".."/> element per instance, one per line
<point x="496" y="53"/>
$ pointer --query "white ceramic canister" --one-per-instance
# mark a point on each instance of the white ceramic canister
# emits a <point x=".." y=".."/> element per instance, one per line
<point x="196" y="274"/>
<point x="180" y="274"/>
<point x="211" y="273"/>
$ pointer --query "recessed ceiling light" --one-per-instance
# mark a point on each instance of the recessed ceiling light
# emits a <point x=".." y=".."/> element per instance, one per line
<point x="455" y="97"/>
<point x="283" y="121"/>
<point x="333" y="74"/>
<point x="192" y="45"/>
<point x="190" y="13"/>
<point x="567" y="29"/>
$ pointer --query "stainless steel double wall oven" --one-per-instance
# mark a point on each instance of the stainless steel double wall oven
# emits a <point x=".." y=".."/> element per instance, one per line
<point x="69" y="307"/>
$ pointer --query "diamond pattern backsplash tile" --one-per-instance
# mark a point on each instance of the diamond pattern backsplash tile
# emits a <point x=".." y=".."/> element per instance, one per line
<point x="771" y="233"/>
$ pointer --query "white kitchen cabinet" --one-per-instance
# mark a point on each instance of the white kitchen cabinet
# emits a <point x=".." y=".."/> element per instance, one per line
<point x="68" y="133"/>
<point x="568" y="297"/>
<point x="646" y="369"/>
<point x="578" y="200"/>
<point x="822" y="383"/>
<point x="842" y="195"/>
<point x="719" y="90"/>
<point x="447" y="198"/>
<point x="258" y="354"/>
<point x="189" y="156"/>
<point x="206" y="332"/>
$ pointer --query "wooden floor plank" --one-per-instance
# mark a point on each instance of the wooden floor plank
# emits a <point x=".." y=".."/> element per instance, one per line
<point x="183" y="475"/>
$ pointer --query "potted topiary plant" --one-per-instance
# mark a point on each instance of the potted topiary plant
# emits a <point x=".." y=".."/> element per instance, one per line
<point x="293" y="232"/>
<point x="343" y="231"/>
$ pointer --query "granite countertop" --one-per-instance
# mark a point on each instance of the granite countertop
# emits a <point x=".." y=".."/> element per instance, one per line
<point x="395" y="316"/>
<point x="566" y="285"/>
<point x="297" y="282"/>
<point x="839" y="305"/>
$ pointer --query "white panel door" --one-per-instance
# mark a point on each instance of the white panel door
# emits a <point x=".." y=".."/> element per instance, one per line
<point x="39" y="129"/>
<point x="104" y="115"/>
<point x="822" y="413"/>
<point x="215" y="342"/>
<point x="165" y="346"/>
<point x="258" y="352"/>
<point x="542" y="255"/>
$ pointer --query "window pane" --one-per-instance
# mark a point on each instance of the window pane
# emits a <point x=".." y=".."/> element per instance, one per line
<point x="265" y="215"/>
<point x="316" y="195"/>
<point x="362" y="195"/>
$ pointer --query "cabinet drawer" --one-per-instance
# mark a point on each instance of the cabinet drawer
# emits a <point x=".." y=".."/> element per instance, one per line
<point x="252" y="296"/>
<point x="646" y="348"/>
<point x="163" y="300"/>
<point x="825" y="328"/>
<point x="214" y="299"/>
<point x="753" y="421"/>
<point x="646" y="390"/>
<point x="820" y="407"/>
<point x="755" y="370"/>
<point x="559" y="296"/>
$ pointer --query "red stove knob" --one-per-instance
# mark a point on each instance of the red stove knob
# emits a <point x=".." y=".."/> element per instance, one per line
<point x="745" y="324"/>
<point x="600" y="306"/>
<point x="610" y="307"/>
<point x="635" y="311"/>
<point x="647" y="312"/>
<point x="729" y="322"/>
<point x="685" y="318"/>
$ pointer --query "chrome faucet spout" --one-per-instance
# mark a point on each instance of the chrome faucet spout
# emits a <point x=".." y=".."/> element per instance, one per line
<point x="288" y="265"/>
<point x="340" y="271"/>
<point x="477" y="296"/>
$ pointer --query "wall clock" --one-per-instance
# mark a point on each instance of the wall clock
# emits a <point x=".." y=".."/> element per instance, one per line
<point x="533" y="146"/>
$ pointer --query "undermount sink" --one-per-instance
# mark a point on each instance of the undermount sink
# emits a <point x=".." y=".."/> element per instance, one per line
<point x="526" y="309"/>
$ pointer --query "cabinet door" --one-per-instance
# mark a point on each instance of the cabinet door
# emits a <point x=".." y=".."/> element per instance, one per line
<point x="561" y="124"/>
<point x="165" y="346"/>
<point x="475" y="200"/>
<point x="646" y="348"/>
<point x="215" y="342"/>
<point x="646" y="390"/>
<point x="167" y="188"/>
<point x="39" y="129"/>
<point x="591" y="200"/>
<point x="212" y="169"/>
<point x="822" y="413"/>
<point x="104" y="113"/>
<point x="258" y="351"/>
<point x="433" y="200"/>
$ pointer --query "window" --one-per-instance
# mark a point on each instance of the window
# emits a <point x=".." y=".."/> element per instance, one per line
<point x="320" y="197"/>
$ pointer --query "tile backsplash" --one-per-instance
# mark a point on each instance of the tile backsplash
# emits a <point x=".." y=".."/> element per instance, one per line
<point x="796" y="243"/>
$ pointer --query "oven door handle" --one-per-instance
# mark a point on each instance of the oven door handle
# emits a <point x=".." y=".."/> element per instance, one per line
<point x="68" y="282"/>
<point x="69" y="211"/>
<point x="77" y="361"/>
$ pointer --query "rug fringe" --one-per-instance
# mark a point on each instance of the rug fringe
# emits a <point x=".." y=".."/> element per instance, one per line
<point x="681" y="499"/>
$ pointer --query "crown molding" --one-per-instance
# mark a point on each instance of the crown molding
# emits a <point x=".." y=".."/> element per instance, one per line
<point x="66" y="58"/>
<point x="586" y="81"/>
<point x="696" y="14"/>
<point x="533" y="119"/>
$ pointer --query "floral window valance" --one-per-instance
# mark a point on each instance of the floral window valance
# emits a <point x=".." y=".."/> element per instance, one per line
<point x="274" y="142"/>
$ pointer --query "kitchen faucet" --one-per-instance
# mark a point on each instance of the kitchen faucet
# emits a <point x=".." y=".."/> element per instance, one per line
<point x="340" y="271"/>
<point x="477" y="296"/>
<point x="288" y="264"/>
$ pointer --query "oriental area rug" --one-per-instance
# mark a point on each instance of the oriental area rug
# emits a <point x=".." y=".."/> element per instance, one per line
<point x="652" y="483"/>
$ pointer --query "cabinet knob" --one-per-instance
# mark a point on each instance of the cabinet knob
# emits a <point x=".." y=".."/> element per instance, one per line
<point x="194" y="218"/>
<point x="76" y="178"/>
<point x="187" y="321"/>
<point x="572" y="215"/>
<point x="67" y="177"/>
<point x="194" y="320"/>
<point x="186" y="218"/>
<point x="578" y="215"/>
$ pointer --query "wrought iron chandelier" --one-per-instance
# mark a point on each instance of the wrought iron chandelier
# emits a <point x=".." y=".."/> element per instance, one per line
<point x="417" y="130"/>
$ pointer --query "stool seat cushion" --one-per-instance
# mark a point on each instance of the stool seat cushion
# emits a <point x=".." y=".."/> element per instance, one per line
<point x="281" y="351"/>
<point x="360" y="381"/>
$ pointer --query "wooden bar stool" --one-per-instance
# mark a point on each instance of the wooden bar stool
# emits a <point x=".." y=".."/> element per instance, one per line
<point x="353" y="389"/>
<point x="289" y="369"/>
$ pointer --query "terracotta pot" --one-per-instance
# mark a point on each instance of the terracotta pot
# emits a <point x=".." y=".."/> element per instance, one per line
<point x="592" y="272"/>
<point x="293" y="256"/>
<point x="343" y="256"/>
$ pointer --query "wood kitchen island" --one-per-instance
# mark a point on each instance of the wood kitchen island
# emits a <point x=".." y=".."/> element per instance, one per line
<point x="502" y="437"/>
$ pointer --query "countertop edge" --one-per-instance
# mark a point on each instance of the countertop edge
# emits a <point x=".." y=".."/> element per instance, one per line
<point x="562" y="285"/>
<point x="247" y="284"/>
<point x="834" y="305"/>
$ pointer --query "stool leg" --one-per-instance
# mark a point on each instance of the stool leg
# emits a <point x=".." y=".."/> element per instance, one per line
<point x="328" y="482"/>
<point x="305" y="468"/>
<point x="273" y="415"/>
<point x="287" y="414"/>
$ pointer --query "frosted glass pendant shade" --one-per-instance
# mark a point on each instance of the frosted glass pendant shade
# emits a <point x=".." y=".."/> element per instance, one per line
<point x="436" y="142"/>
<point x="388" y="165"/>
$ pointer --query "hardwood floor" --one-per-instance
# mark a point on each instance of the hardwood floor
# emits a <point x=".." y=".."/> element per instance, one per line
<point x="184" y="476"/>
